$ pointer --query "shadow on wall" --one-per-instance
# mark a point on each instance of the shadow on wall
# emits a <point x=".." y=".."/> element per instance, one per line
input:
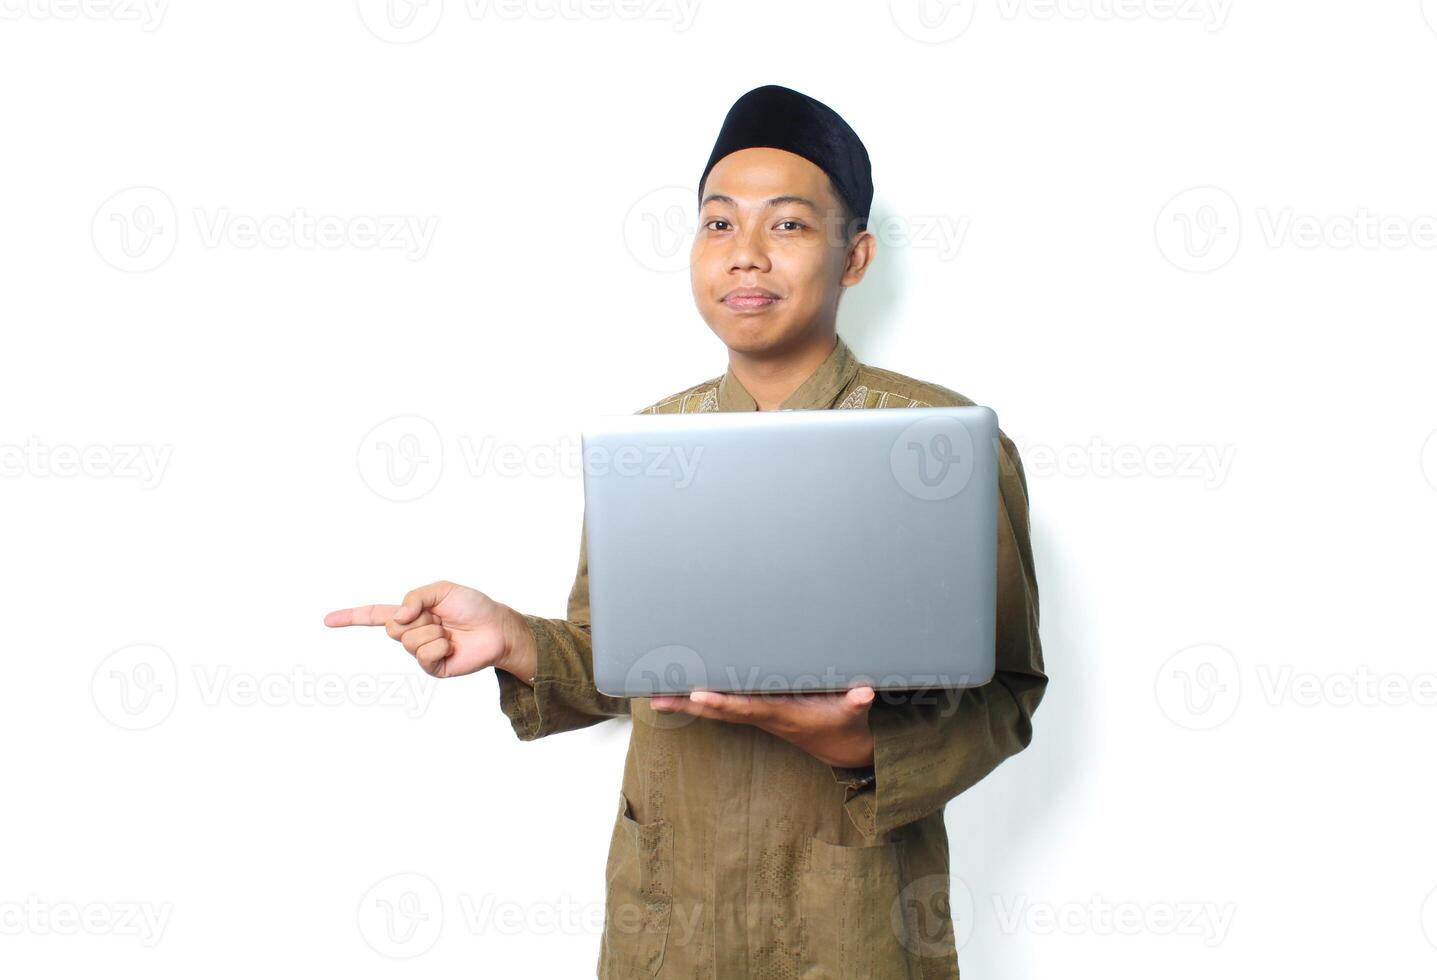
<point x="866" y="310"/>
<point x="1003" y="830"/>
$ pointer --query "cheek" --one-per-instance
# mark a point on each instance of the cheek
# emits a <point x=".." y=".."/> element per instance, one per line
<point x="803" y="271"/>
<point x="703" y="265"/>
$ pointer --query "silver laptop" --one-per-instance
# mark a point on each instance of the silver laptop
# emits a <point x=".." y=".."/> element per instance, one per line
<point x="792" y="550"/>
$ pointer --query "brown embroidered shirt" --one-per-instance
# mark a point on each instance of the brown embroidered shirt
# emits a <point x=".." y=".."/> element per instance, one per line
<point x="736" y="855"/>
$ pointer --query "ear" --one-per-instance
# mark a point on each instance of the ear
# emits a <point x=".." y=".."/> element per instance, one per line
<point x="860" y="256"/>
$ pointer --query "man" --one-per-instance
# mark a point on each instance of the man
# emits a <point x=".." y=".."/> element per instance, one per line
<point x="769" y="835"/>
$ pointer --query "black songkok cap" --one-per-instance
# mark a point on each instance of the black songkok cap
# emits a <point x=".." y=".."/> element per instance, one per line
<point x="772" y="115"/>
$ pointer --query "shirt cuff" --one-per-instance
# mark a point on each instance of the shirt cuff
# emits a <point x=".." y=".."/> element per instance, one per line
<point x="523" y="703"/>
<point x="857" y="776"/>
<point x="561" y="695"/>
<point x="859" y="796"/>
<point x="520" y="703"/>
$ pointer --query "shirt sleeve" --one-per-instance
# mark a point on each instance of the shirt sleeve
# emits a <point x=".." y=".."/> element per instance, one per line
<point x="931" y="745"/>
<point x="562" y="696"/>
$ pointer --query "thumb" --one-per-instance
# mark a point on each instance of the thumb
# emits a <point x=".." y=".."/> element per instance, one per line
<point x="859" y="698"/>
<point x="421" y="599"/>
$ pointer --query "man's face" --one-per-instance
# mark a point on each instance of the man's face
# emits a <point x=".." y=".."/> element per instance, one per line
<point x="769" y="222"/>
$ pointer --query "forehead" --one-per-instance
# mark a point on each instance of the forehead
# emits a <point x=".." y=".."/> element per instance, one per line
<point x="757" y="173"/>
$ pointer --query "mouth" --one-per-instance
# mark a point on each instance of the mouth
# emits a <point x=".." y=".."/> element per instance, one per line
<point x="749" y="300"/>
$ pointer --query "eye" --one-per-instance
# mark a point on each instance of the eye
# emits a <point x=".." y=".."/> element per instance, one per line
<point x="711" y="221"/>
<point x="797" y="224"/>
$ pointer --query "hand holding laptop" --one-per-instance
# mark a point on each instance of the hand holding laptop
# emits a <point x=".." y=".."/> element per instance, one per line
<point x="831" y="726"/>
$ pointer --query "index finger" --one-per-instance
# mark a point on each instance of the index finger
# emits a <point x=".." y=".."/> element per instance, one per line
<point x="361" y="616"/>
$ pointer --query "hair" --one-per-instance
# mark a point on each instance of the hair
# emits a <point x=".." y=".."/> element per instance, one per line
<point x="851" y="223"/>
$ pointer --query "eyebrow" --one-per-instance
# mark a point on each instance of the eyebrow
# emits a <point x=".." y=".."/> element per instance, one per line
<point x="771" y="202"/>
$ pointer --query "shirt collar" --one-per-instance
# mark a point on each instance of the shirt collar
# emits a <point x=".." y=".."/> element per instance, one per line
<point x="820" y="389"/>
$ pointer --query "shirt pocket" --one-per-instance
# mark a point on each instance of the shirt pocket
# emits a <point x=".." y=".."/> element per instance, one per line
<point x="853" y="925"/>
<point x="639" y="896"/>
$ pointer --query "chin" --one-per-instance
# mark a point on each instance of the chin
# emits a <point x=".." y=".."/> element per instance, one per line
<point x="749" y="334"/>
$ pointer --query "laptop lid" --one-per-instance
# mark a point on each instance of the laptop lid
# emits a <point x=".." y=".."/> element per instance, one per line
<point x="792" y="550"/>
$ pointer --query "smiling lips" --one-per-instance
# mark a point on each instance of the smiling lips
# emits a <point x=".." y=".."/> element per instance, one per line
<point x="745" y="300"/>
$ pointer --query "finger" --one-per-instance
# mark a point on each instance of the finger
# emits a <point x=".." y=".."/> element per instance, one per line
<point x="360" y="616"/>
<point x="728" y="707"/>
<point x="424" y="597"/>
<point x="432" y="655"/>
<point x="859" y="699"/>
<point x="688" y="706"/>
<point x="413" y="639"/>
<point x="675" y="704"/>
<point x="397" y="630"/>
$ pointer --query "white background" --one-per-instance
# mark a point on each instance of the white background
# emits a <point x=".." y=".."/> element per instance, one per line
<point x="1223" y="397"/>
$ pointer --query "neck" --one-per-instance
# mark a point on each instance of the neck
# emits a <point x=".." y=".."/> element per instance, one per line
<point x="772" y="375"/>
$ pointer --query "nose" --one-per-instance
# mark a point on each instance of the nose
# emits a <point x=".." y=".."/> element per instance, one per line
<point x="748" y="251"/>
